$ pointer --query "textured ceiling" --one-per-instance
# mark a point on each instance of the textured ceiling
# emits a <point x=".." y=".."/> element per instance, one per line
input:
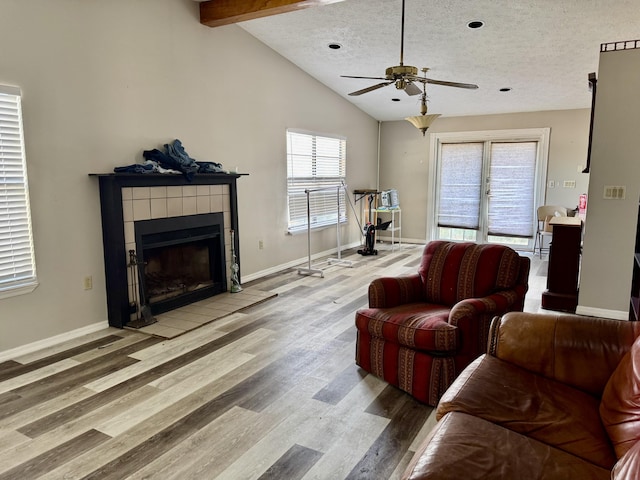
<point x="542" y="49"/>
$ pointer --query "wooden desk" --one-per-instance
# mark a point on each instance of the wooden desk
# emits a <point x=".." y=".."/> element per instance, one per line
<point x="564" y="265"/>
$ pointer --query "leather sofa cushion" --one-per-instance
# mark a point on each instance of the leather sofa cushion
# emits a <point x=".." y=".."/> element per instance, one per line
<point x="628" y="466"/>
<point x="543" y="409"/>
<point x="465" y="447"/>
<point x="561" y="346"/>
<point x="419" y="326"/>
<point x="620" y="406"/>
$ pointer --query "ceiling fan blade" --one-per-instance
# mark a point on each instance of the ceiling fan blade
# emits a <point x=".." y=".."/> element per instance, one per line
<point x="451" y="84"/>
<point x="369" y="89"/>
<point x="412" y="89"/>
<point x="367" y="78"/>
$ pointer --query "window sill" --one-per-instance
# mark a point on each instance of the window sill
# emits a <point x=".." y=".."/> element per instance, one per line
<point x="18" y="290"/>
<point x="304" y="230"/>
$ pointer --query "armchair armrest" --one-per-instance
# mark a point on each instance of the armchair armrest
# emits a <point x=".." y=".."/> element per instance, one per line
<point x="495" y="303"/>
<point x="387" y="292"/>
<point x="579" y="351"/>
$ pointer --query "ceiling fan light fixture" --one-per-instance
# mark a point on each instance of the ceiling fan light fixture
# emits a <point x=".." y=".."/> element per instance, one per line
<point x="422" y="122"/>
<point x="405" y="77"/>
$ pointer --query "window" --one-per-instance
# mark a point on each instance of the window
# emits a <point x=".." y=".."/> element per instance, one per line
<point x="17" y="264"/>
<point x="488" y="184"/>
<point x="315" y="164"/>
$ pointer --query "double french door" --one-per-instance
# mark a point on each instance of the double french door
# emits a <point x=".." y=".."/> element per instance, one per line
<point x="487" y="189"/>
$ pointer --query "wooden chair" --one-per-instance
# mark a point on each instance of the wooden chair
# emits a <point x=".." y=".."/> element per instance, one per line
<point x="545" y="214"/>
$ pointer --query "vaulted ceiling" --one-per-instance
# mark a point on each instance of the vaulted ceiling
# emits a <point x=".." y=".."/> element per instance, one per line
<point x="542" y="50"/>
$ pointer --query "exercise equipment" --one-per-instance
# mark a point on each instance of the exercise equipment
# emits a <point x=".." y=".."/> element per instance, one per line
<point x="369" y="231"/>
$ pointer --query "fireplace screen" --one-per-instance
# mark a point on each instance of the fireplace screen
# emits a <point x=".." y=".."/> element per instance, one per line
<point x="183" y="259"/>
<point x="175" y="270"/>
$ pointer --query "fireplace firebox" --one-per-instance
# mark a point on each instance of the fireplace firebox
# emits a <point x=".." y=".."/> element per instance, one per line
<point x="182" y="258"/>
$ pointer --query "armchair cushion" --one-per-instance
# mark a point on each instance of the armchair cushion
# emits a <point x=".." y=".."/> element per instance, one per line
<point x="452" y="272"/>
<point x="420" y="326"/>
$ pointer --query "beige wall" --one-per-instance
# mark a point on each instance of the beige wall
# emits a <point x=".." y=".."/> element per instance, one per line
<point x="103" y="81"/>
<point x="405" y="162"/>
<point x="605" y="281"/>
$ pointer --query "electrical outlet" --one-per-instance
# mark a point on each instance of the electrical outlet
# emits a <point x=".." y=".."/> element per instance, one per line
<point x="552" y="184"/>
<point x="88" y="282"/>
<point x="260" y="245"/>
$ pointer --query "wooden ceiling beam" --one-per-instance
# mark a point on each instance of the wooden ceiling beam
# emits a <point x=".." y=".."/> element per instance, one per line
<point x="215" y="13"/>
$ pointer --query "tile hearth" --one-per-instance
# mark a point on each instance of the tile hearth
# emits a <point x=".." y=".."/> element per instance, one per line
<point x="184" y="319"/>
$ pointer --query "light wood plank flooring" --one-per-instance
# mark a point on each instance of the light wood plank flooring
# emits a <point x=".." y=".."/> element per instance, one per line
<point x="271" y="392"/>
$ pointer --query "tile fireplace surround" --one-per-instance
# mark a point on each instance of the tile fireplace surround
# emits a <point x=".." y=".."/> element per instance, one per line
<point x="127" y="198"/>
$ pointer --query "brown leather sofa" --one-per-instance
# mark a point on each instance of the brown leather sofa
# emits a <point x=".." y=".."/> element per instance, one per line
<point x="554" y="397"/>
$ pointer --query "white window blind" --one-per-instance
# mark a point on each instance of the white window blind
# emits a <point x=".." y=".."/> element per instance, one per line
<point x="317" y="164"/>
<point x="511" y="189"/>
<point x="17" y="264"/>
<point x="460" y="185"/>
<point x="510" y="184"/>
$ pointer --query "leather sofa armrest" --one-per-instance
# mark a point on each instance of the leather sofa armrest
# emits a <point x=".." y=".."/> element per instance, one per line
<point x="580" y="351"/>
<point x="387" y="292"/>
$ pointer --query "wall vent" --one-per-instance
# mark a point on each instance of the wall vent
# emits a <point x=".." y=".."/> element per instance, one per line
<point x="612" y="192"/>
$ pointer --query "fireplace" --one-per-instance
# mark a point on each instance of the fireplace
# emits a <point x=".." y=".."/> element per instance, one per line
<point x="182" y="259"/>
<point x="179" y="232"/>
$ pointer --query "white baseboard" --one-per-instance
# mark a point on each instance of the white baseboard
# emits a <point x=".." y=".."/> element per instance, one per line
<point x="301" y="261"/>
<point x="63" y="337"/>
<point x="602" y="312"/>
<point x="418" y="241"/>
<point x="294" y="263"/>
<point x="51" y="341"/>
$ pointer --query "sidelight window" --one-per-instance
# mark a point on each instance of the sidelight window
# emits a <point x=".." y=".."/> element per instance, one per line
<point x="17" y="261"/>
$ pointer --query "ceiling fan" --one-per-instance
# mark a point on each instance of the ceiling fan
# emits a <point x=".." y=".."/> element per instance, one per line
<point x="405" y="76"/>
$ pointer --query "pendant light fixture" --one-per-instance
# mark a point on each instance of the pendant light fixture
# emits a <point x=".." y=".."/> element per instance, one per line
<point x="423" y="121"/>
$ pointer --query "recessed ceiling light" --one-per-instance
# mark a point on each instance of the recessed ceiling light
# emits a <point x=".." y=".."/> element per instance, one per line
<point x="395" y="99"/>
<point x="505" y="89"/>
<point x="335" y="46"/>
<point x="475" y="24"/>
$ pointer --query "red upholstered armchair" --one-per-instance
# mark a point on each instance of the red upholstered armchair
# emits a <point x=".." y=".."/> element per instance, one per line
<point x="421" y="330"/>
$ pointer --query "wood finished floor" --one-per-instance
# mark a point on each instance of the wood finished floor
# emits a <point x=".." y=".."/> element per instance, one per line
<point x="268" y="393"/>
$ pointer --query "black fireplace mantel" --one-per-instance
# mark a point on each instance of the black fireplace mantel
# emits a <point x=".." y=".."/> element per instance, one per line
<point x="113" y="237"/>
